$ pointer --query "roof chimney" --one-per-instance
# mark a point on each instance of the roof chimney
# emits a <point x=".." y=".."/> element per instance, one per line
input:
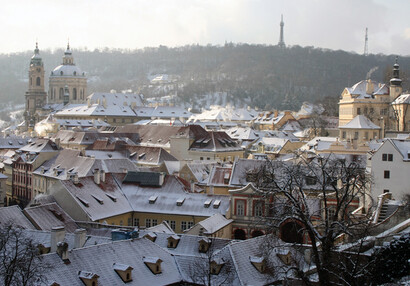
<point x="57" y="234"/>
<point x="369" y="87"/>
<point x="62" y="251"/>
<point x="79" y="237"/>
<point x="103" y="176"/>
<point x="97" y="176"/>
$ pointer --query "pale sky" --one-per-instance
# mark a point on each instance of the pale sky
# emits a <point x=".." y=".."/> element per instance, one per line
<point x="131" y="24"/>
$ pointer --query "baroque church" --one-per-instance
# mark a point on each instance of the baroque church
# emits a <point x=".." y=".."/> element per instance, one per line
<point x="67" y="84"/>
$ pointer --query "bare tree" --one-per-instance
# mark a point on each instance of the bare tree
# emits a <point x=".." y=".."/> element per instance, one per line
<point x="319" y="202"/>
<point x="20" y="260"/>
<point x="210" y="267"/>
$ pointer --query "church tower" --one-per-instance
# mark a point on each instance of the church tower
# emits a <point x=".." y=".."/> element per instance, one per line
<point x="35" y="96"/>
<point x="281" y="43"/>
<point x="395" y="82"/>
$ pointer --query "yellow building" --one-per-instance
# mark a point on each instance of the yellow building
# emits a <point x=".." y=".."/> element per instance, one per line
<point x="372" y="100"/>
<point x="401" y="108"/>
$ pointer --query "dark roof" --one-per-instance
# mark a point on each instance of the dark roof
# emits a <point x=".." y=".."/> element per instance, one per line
<point x="45" y="217"/>
<point x="143" y="178"/>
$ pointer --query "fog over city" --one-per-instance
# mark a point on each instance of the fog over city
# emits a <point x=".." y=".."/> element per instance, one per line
<point x="132" y="24"/>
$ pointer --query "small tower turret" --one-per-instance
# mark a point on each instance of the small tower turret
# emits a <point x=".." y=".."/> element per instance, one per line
<point x="395" y="82"/>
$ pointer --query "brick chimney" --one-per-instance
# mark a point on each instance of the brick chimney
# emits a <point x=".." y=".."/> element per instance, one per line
<point x="62" y="251"/>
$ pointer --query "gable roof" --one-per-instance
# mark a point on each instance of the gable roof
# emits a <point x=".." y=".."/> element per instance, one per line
<point x="98" y="201"/>
<point x="47" y="216"/>
<point x="15" y="216"/>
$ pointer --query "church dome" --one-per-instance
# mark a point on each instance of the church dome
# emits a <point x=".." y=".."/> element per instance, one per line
<point x="67" y="70"/>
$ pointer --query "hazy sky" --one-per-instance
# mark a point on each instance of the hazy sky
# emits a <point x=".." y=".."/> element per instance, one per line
<point x="130" y="24"/>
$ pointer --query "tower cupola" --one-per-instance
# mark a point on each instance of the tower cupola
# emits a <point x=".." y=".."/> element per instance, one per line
<point x="396" y="81"/>
<point x="68" y="56"/>
<point x="36" y="58"/>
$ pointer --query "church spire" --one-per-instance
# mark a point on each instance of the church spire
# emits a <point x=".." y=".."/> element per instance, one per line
<point x="281" y="43"/>
<point x="396" y="74"/>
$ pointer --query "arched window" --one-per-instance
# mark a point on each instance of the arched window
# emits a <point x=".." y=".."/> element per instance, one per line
<point x="61" y="94"/>
<point x="31" y="81"/>
<point x="61" y="73"/>
<point x="239" y="234"/>
<point x="81" y="94"/>
<point x="74" y="93"/>
<point x="38" y="81"/>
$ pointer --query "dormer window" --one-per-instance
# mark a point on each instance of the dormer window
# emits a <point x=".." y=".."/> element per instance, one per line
<point x="285" y="256"/>
<point x="151" y="236"/>
<point x="173" y="241"/>
<point x="204" y="244"/>
<point x="216" y="265"/>
<point x="124" y="271"/>
<point x="258" y="262"/>
<point x="88" y="278"/>
<point x="180" y="201"/>
<point x="153" y="263"/>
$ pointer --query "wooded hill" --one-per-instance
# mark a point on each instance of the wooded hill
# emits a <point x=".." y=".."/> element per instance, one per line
<point x="264" y="76"/>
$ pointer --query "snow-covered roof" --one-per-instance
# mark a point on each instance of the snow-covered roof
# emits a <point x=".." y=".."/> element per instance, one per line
<point x="308" y="108"/>
<point x="121" y="99"/>
<point x="162" y="112"/>
<point x="402" y="99"/>
<point x="360" y="122"/>
<point x="67" y="71"/>
<point x="214" y="223"/>
<point x="96" y="110"/>
<point x="228" y="114"/>
<point x="167" y="196"/>
<point x="359" y="90"/>
<point x="403" y="146"/>
<point x="98" y="201"/>
<point x="319" y="143"/>
<point x="100" y="259"/>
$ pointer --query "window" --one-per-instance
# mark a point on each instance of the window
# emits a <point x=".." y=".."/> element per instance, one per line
<point x="172" y="224"/>
<point x="366" y="135"/>
<point x="387" y="157"/>
<point x="114" y="120"/>
<point x="190" y="224"/>
<point x="136" y="222"/>
<point x="183" y="225"/>
<point x="365" y="110"/>
<point x="387" y="174"/>
<point x="129" y="221"/>
<point x="61" y="93"/>
<point x="358" y="111"/>
<point x="386" y="191"/>
<point x="240" y="207"/>
<point x="154" y="222"/>
<point x="201" y="158"/>
<point x="344" y="134"/>
<point x="258" y="208"/>
<point x="356" y="135"/>
<point x="74" y="93"/>
<point x="148" y="222"/>
<point x="310" y="180"/>
<point x="38" y="81"/>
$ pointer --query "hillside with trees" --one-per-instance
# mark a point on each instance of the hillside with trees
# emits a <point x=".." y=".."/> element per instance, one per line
<point x="262" y="76"/>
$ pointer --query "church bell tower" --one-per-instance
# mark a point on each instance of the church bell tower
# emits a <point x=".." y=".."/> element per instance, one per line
<point x="35" y="96"/>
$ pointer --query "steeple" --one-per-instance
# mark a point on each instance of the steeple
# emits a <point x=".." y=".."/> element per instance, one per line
<point x="396" y="81"/>
<point x="281" y="43"/>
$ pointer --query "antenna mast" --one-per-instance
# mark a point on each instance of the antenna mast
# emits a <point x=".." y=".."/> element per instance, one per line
<point x="366" y="48"/>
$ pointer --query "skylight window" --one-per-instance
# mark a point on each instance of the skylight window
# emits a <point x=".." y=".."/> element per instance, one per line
<point x="112" y="197"/>
<point x="207" y="203"/>
<point x="217" y="203"/>
<point x="83" y="201"/>
<point x="98" y="199"/>
<point x="180" y="201"/>
<point x="153" y="199"/>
